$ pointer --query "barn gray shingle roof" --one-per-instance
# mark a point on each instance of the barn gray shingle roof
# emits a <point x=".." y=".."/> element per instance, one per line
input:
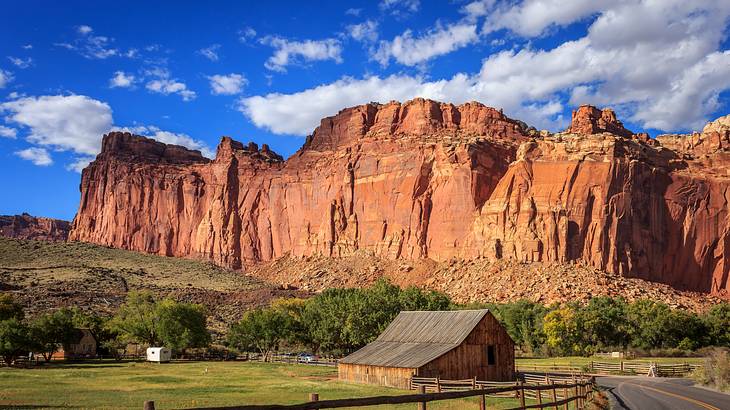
<point x="416" y="338"/>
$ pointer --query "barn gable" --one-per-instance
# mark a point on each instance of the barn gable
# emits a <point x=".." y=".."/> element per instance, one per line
<point x="407" y="343"/>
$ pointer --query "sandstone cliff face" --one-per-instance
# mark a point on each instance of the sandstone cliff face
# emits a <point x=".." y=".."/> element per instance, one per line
<point x="425" y="179"/>
<point x="29" y="227"/>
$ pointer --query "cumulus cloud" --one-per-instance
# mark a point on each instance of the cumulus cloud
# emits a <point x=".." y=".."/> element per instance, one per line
<point x="532" y="17"/>
<point x="288" y="52"/>
<point x="7" y="132"/>
<point x="121" y="80"/>
<point x="211" y="53"/>
<point x="76" y="124"/>
<point x="21" y="62"/>
<point x="38" y="156"/>
<point x="169" y="138"/>
<point x="227" y="84"/>
<point x="62" y="122"/>
<point x="5" y="78"/>
<point x="410" y="50"/>
<point x="659" y="62"/>
<point x="366" y="31"/>
<point x="162" y="83"/>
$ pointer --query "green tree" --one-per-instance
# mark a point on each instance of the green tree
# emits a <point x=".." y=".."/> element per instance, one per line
<point x="136" y="319"/>
<point x="717" y="323"/>
<point x="260" y="329"/>
<point x="181" y="325"/>
<point x="13" y="339"/>
<point x="602" y="324"/>
<point x="523" y="320"/>
<point x="50" y="331"/>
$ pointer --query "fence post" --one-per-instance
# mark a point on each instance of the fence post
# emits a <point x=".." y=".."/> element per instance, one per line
<point x="622" y="367"/>
<point x="539" y="396"/>
<point x="555" y="395"/>
<point x="522" y="394"/>
<point x="313" y="397"/>
<point x="422" y="405"/>
<point x="565" y="396"/>
<point x="474" y="383"/>
<point x="483" y="402"/>
<point x="149" y="405"/>
<point x="438" y="385"/>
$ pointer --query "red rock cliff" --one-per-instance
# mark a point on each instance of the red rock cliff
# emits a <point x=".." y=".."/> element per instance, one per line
<point x="426" y="179"/>
<point x="30" y="227"/>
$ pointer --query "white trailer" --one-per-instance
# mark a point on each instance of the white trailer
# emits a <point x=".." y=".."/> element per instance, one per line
<point x="158" y="354"/>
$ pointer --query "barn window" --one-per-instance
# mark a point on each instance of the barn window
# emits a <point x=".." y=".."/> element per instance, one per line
<point x="491" y="360"/>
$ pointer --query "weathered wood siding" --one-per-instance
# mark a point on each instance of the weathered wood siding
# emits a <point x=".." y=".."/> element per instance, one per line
<point x="470" y="358"/>
<point x="398" y="377"/>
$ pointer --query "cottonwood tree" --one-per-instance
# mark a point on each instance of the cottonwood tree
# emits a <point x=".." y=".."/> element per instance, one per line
<point x="260" y="329"/>
<point x="13" y="339"/>
<point x="181" y="325"/>
<point x="50" y="331"/>
<point x="136" y="320"/>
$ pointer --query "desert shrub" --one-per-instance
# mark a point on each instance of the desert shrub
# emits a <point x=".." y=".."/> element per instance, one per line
<point x="716" y="370"/>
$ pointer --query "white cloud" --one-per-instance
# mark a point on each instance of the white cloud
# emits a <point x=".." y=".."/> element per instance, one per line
<point x="211" y="53"/>
<point x="353" y="12"/>
<point x="288" y="52"/>
<point x="62" y="122"/>
<point x="169" y="138"/>
<point x="79" y="163"/>
<point x="532" y="17"/>
<point x="400" y="7"/>
<point x="121" y="80"/>
<point x="478" y="8"/>
<point x="28" y="47"/>
<point x="162" y="83"/>
<point x="21" y="62"/>
<point x="5" y="78"/>
<point x="84" y="30"/>
<point x="656" y="61"/>
<point x="75" y="123"/>
<point x="245" y="34"/>
<point x="227" y="84"/>
<point x="410" y="50"/>
<point x="366" y="31"/>
<point x="38" y="156"/>
<point x="7" y="132"/>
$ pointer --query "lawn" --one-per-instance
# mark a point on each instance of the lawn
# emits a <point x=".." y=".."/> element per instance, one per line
<point x="177" y="385"/>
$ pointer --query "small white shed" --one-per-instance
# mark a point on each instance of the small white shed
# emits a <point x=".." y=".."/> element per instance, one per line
<point x="158" y="354"/>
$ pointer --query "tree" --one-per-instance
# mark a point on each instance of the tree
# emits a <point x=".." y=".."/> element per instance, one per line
<point x="50" y="331"/>
<point x="13" y="339"/>
<point x="717" y="323"/>
<point x="10" y="308"/>
<point x="181" y="325"/>
<point x="260" y="329"/>
<point x="523" y="321"/>
<point x="136" y="319"/>
<point x="647" y="323"/>
<point x="602" y="324"/>
<point x="561" y="331"/>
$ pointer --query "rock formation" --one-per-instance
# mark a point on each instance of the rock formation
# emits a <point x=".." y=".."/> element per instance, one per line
<point x="29" y="227"/>
<point x="425" y="179"/>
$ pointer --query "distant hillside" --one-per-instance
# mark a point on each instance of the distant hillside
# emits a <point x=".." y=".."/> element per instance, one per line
<point x="26" y="226"/>
<point x="48" y="275"/>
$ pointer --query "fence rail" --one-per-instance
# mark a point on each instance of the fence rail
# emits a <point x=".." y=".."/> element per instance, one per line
<point x="580" y="392"/>
<point x="616" y="368"/>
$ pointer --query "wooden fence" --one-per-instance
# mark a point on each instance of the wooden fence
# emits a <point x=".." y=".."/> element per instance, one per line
<point x="554" y="395"/>
<point x="626" y="368"/>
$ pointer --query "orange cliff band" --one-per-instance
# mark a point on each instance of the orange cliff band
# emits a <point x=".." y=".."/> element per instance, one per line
<point x="424" y="179"/>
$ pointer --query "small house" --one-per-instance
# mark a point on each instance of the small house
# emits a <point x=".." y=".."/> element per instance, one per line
<point x="82" y="346"/>
<point x="158" y="354"/>
<point x="453" y="345"/>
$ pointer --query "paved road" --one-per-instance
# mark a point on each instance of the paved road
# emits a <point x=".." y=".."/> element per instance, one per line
<point x="649" y="393"/>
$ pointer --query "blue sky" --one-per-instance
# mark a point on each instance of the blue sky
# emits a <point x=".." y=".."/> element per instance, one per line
<point x="188" y="72"/>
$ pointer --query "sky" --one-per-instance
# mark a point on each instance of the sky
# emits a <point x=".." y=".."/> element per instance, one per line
<point x="189" y="72"/>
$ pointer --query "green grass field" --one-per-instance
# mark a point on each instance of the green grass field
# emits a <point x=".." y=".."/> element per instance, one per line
<point x="176" y="385"/>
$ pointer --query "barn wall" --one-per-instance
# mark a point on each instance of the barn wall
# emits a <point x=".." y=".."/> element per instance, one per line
<point x="397" y="377"/>
<point x="470" y="358"/>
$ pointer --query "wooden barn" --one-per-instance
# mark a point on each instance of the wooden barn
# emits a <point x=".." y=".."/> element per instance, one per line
<point x="452" y="345"/>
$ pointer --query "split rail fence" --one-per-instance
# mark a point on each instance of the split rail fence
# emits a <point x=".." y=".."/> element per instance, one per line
<point x="558" y="394"/>
<point x="616" y="368"/>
